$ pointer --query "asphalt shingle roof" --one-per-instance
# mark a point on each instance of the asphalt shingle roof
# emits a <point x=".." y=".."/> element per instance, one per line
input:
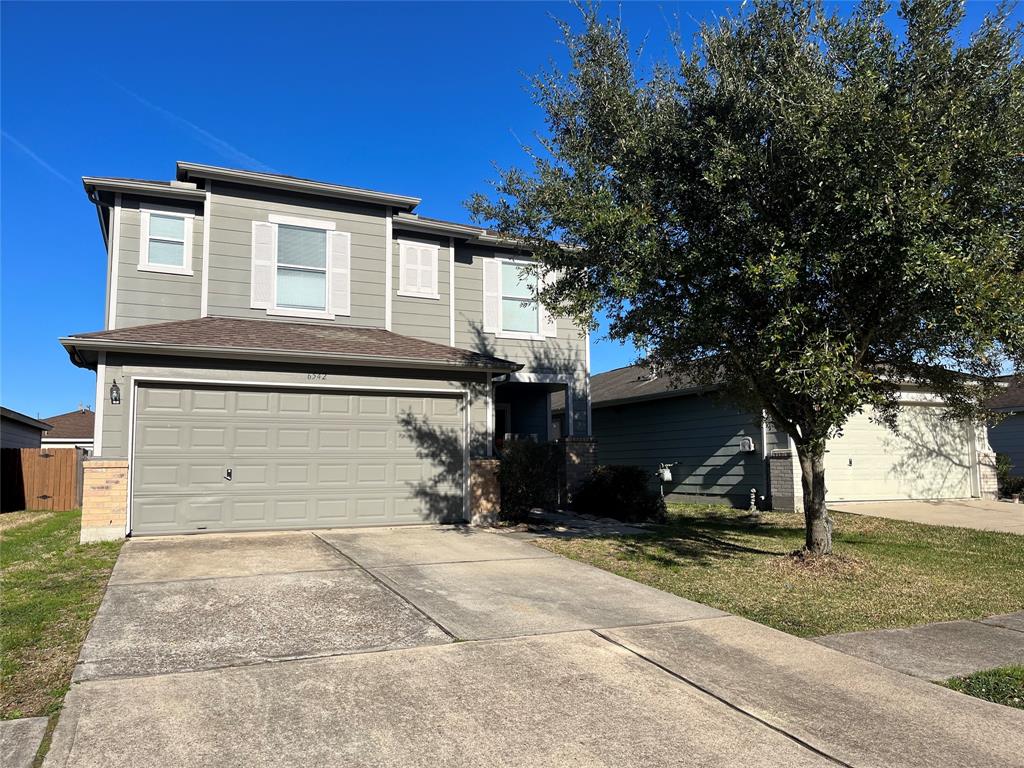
<point x="269" y="336"/>
<point x="75" y="424"/>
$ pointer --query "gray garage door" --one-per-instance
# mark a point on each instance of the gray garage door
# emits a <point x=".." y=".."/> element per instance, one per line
<point x="242" y="459"/>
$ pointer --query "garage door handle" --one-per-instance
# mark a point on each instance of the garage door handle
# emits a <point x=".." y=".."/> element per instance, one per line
<point x="227" y="475"/>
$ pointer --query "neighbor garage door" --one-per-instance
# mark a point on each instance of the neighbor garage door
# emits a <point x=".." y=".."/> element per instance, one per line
<point x="241" y="459"/>
<point x="929" y="458"/>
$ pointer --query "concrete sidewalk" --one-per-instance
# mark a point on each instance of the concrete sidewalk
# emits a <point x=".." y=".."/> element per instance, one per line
<point x="982" y="514"/>
<point x="939" y="651"/>
<point x="446" y="646"/>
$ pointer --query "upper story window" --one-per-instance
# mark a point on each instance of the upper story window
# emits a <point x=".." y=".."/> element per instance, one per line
<point x="165" y="242"/>
<point x="300" y="268"/>
<point x="417" y="270"/>
<point x="519" y="307"/>
<point x="511" y="305"/>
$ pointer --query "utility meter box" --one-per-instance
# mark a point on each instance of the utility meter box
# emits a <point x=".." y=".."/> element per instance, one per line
<point x="747" y="445"/>
<point x="665" y="472"/>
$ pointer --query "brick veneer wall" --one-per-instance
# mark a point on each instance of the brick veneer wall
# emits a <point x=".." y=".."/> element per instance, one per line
<point x="484" y="491"/>
<point x="987" y="470"/>
<point x="784" y="477"/>
<point x="104" y="499"/>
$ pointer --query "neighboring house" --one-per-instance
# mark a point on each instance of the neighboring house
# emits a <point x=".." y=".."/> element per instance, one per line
<point x="720" y="452"/>
<point x="286" y="353"/>
<point x="20" y="431"/>
<point x="71" y="430"/>
<point x="1008" y="435"/>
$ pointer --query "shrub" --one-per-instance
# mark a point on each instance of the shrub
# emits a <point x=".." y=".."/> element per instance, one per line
<point x="528" y="476"/>
<point x="620" y="492"/>
<point x="1011" y="485"/>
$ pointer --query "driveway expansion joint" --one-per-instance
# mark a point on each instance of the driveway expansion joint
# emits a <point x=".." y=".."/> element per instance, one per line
<point x="231" y="577"/>
<point x="391" y="589"/>
<point x="683" y="679"/>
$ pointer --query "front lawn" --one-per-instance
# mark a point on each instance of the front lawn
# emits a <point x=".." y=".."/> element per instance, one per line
<point x="51" y="587"/>
<point x="884" y="573"/>
<point x="1004" y="685"/>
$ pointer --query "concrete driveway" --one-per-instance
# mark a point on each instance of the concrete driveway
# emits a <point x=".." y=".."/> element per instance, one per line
<point x="983" y="514"/>
<point x="445" y="646"/>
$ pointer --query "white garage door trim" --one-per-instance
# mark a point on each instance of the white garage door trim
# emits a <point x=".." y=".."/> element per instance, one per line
<point x="135" y="381"/>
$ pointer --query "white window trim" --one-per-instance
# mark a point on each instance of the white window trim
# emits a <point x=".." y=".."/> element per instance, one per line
<point x="520" y="335"/>
<point x="189" y="225"/>
<point x="403" y="290"/>
<point x="314" y="314"/>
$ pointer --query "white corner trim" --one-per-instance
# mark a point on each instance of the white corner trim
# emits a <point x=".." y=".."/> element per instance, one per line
<point x="451" y="291"/>
<point x="389" y="267"/>
<point x="115" y="257"/>
<point x="97" y="427"/>
<point x="295" y="221"/>
<point x="204" y="295"/>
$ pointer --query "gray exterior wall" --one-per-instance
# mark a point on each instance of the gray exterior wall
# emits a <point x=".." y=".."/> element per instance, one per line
<point x="698" y="433"/>
<point x="117" y="418"/>
<point x="428" y="319"/>
<point x="14" y="434"/>
<point x="234" y="208"/>
<point x="1008" y="437"/>
<point x="155" y="297"/>
<point x="565" y="354"/>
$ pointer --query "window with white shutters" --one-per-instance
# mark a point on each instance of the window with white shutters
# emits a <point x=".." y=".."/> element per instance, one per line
<point x="417" y="270"/>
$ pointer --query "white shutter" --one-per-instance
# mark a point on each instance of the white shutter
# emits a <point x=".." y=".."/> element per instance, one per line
<point x="409" y="269"/>
<point x="548" y="326"/>
<point x="492" y="296"/>
<point x="340" y="262"/>
<point x="428" y="270"/>
<point x="262" y="268"/>
<point x="143" y="238"/>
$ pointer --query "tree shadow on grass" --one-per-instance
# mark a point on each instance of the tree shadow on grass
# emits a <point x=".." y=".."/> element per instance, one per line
<point x="705" y="539"/>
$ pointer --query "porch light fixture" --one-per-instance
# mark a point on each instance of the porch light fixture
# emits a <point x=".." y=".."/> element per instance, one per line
<point x="115" y="394"/>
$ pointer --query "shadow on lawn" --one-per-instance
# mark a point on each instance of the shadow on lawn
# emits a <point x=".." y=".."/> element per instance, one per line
<point x="706" y="538"/>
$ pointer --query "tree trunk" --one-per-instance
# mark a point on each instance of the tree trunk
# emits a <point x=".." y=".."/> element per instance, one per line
<point x="817" y="523"/>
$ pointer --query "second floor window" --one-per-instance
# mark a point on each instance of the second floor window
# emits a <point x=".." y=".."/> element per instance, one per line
<point x="520" y="311"/>
<point x="165" y="242"/>
<point x="301" y="268"/>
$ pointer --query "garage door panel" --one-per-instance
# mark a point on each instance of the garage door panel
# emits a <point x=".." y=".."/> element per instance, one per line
<point x="298" y="459"/>
<point x="929" y="458"/>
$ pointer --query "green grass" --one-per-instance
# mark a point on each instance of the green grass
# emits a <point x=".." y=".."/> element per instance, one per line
<point x="1004" y="685"/>
<point x="884" y="573"/>
<point x="50" y="590"/>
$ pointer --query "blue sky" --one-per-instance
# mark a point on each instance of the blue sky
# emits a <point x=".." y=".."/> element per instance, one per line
<point x="421" y="98"/>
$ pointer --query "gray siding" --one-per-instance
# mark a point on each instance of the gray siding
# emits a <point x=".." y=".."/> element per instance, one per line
<point x="233" y="211"/>
<point x="1008" y="437"/>
<point x="155" y="297"/>
<point x="14" y="434"/>
<point x="428" y="319"/>
<point x="562" y="355"/>
<point x="117" y="418"/>
<point x="698" y="433"/>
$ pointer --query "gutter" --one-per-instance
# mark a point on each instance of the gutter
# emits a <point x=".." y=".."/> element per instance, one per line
<point x="142" y="188"/>
<point x="74" y="345"/>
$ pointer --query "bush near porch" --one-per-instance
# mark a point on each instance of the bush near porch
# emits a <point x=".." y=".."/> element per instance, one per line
<point x="885" y="573"/>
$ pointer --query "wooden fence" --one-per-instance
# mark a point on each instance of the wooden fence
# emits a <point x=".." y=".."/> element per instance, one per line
<point x="35" y="478"/>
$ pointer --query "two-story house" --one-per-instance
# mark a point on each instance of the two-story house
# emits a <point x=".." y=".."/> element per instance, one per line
<point x="286" y="353"/>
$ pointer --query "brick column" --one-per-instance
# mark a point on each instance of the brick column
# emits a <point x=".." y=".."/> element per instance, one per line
<point x="784" y="477"/>
<point x="987" y="471"/>
<point x="104" y="499"/>
<point x="484" y="492"/>
<point x="580" y="459"/>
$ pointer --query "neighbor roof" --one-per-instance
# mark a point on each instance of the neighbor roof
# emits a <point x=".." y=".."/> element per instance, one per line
<point x="634" y="382"/>
<point x="7" y="413"/>
<point x="1011" y="398"/>
<point x="74" y="425"/>
<point x="270" y="339"/>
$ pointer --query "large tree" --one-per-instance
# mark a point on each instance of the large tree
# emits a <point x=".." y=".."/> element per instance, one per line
<point x="807" y="209"/>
